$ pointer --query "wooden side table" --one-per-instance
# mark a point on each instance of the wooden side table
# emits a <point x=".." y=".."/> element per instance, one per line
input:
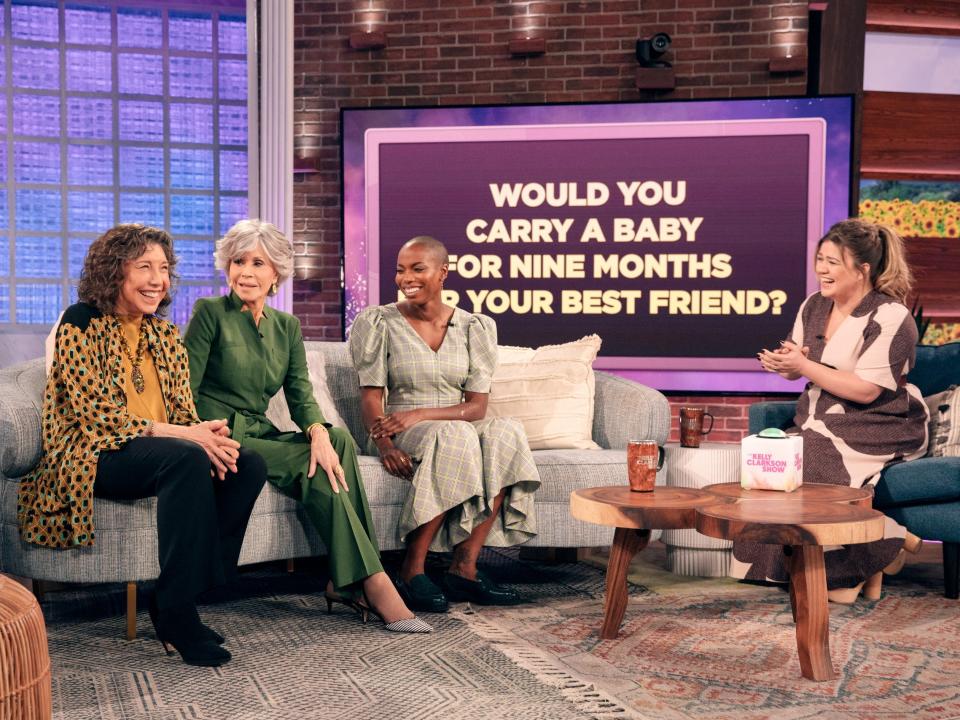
<point x="633" y="514"/>
<point x="689" y="552"/>
<point x="803" y="526"/>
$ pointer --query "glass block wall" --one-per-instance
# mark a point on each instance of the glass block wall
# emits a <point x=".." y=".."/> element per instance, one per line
<point x="112" y="113"/>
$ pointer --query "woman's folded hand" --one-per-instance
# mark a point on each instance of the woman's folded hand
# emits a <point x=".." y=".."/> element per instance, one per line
<point x="397" y="462"/>
<point x="213" y="436"/>
<point x="395" y="423"/>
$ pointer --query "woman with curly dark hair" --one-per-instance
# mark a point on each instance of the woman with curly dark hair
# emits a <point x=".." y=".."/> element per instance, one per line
<point x="119" y="422"/>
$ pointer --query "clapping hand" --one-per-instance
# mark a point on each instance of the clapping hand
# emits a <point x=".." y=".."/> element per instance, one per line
<point x="788" y="360"/>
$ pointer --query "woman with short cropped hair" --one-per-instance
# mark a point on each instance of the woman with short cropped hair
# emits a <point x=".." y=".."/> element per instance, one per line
<point x="425" y="371"/>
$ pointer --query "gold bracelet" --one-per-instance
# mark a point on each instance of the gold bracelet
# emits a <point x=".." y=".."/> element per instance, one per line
<point x="310" y="429"/>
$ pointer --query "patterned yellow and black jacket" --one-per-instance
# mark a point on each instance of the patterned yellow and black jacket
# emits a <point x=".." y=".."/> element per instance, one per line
<point x="84" y="412"/>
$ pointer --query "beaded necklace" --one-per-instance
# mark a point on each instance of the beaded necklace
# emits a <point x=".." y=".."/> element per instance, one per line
<point x="136" y="374"/>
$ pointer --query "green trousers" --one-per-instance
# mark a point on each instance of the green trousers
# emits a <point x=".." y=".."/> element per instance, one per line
<point x="342" y="519"/>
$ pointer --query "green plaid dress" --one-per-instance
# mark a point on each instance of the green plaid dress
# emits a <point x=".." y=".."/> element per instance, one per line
<point x="461" y="466"/>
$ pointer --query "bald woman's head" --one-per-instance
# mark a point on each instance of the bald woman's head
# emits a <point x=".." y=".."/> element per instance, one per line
<point x="433" y="247"/>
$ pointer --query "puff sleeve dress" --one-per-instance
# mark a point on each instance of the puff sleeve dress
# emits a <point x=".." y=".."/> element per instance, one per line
<point x="460" y="466"/>
<point x="849" y="443"/>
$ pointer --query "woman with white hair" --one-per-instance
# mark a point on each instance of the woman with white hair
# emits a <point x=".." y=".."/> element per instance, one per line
<point x="241" y="353"/>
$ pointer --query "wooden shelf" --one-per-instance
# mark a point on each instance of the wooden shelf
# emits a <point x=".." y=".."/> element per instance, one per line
<point x="368" y="40"/>
<point x="305" y="164"/>
<point x="792" y="64"/>
<point x="527" y="46"/>
<point x="936" y="266"/>
<point x="917" y="17"/>
<point x="910" y="136"/>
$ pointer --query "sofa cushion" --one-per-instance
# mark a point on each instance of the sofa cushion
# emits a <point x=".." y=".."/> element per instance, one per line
<point x="563" y="471"/>
<point x="21" y="388"/>
<point x="931" y="522"/>
<point x="550" y="390"/>
<point x="919" y="482"/>
<point x="937" y="368"/>
<point x="278" y="412"/>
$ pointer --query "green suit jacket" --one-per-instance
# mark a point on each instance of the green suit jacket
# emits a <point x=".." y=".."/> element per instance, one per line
<point x="236" y="366"/>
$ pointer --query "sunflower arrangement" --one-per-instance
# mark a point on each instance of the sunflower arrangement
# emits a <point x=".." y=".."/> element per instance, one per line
<point x="941" y="333"/>
<point x="915" y="218"/>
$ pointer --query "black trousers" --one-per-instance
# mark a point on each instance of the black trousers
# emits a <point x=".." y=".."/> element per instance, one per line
<point x="201" y="519"/>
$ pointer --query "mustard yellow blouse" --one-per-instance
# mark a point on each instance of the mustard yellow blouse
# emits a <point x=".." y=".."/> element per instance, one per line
<point x="148" y="404"/>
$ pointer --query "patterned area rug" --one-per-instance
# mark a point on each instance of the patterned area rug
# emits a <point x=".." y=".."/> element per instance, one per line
<point x="293" y="661"/>
<point x="689" y="648"/>
<point x="720" y="649"/>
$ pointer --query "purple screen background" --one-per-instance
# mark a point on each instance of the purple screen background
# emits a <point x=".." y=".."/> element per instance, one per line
<point x="764" y="228"/>
<point x="720" y="173"/>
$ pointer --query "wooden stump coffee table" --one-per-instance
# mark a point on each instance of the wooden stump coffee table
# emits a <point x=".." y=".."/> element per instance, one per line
<point x="811" y="492"/>
<point x="634" y="515"/>
<point x="803" y="526"/>
<point x="802" y="521"/>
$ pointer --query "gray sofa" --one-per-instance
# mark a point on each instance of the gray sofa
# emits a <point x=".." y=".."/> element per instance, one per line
<point x="126" y="545"/>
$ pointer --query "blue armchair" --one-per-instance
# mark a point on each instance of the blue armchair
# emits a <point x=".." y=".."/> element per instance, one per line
<point x="924" y="494"/>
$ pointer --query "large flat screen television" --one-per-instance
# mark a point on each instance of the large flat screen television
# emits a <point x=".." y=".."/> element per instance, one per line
<point x="682" y="233"/>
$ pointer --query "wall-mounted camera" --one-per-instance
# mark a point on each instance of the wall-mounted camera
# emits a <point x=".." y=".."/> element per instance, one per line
<point x="650" y="49"/>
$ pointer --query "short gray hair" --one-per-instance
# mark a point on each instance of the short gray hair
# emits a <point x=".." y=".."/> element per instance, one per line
<point x="245" y="235"/>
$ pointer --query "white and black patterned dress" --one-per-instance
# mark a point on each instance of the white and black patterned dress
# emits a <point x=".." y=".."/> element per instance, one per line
<point x="461" y="466"/>
<point x="849" y="443"/>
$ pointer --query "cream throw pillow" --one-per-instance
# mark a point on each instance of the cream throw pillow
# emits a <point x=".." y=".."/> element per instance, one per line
<point x="50" y="345"/>
<point x="279" y="414"/>
<point x="550" y="390"/>
<point x="944" y="423"/>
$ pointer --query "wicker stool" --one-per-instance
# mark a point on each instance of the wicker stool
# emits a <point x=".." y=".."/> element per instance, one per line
<point x="24" y="661"/>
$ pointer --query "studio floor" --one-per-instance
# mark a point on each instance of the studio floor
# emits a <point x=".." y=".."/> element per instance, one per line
<point x="689" y="648"/>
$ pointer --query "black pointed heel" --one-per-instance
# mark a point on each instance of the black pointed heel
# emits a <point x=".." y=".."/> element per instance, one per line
<point x="180" y="630"/>
<point x="207" y="632"/>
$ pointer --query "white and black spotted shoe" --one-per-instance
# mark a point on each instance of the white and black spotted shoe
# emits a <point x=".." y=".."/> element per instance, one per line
<point x="410" y="625"/>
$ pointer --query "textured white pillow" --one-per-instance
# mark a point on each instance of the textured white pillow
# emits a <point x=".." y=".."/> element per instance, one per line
<point x="50" y="345"/>
<point x="944" y="423"/>
<point x="550" y="390"/>
<point x="279" y="414"/>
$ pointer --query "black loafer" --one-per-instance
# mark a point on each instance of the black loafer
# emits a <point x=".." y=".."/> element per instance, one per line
<point x="481" y="591"/>
<point x="421" y="594"/>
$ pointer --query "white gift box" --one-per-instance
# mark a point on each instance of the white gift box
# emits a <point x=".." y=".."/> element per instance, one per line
<point x="771" y="463"/>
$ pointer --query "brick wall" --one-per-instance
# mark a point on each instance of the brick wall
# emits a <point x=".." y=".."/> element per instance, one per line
<point x="455" y="52"/>
<point x="730" y="415"/>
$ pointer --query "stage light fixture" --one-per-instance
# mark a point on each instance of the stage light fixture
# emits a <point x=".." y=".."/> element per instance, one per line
<point x="650" y="49"/>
